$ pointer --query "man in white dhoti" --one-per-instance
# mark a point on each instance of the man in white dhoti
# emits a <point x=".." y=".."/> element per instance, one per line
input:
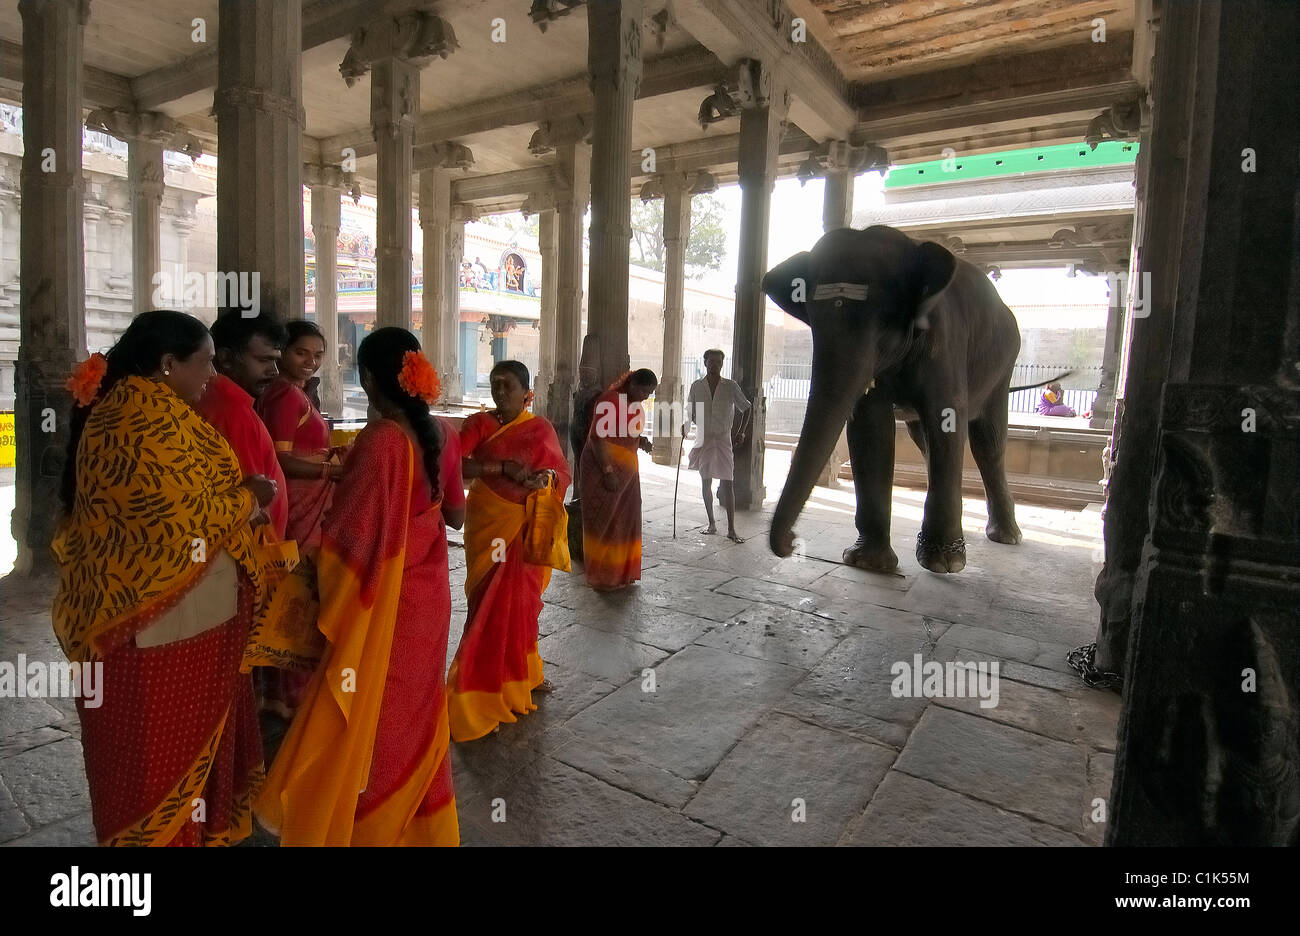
<point x="714" y="403"/>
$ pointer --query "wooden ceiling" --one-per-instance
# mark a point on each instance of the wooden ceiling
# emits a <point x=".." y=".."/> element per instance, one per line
<point x="875" y="40"/>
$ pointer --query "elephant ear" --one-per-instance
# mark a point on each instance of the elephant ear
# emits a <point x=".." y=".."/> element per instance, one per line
<point x="788" y="285"/>
<point x="933" y="269"/>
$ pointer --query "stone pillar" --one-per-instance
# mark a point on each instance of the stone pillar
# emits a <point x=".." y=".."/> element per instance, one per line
<point x="1103" y="407"/>
<point x="144" y="169"/>
<point x="435" y="218"/>
<point x="326" y="184"/>
<point x="837" y="212"/>
<point x="837" y="200"/>
<point x="572" y="164"/>
<point x="394" y="49"/>
<point x="762" y="125"/>
<point x="1208" y="738"/>
<point x="453" y="369"/>
<point x="52" y="307"/>
<point x="394" y="102"/>
<point x="614" y="64"/>
<point x="548" y="247"/>
<point x="258" y="106"/>
<point x="677" y="229"/>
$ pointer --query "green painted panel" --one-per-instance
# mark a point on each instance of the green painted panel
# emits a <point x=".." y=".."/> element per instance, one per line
<point x="1012" y="162"/>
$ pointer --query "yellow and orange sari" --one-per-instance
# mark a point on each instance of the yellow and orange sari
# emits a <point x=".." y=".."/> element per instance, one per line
<point x="365" y="760"/>
<point x="497" y="665"/>
<point x="611" y="520"/>
<point x="173" y="753"/>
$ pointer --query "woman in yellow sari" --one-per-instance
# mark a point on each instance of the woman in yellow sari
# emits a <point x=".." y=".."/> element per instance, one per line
<point x="159" y="576"/>
<point x="365" y="760"/>
<point x="508" y="452"/>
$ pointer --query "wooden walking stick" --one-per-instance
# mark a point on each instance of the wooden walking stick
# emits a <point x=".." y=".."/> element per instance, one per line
<point x="675" y="484"/>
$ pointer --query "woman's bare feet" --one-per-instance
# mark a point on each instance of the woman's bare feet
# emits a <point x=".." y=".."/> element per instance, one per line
<point x="544" y="686"/>
<point x="735" y="537"/>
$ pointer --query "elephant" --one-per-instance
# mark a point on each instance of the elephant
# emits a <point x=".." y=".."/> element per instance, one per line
<point x="899" y="327"/>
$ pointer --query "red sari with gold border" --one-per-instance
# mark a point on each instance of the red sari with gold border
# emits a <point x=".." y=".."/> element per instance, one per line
<point x="365" y="760"/>
<point x="497" y="665"/>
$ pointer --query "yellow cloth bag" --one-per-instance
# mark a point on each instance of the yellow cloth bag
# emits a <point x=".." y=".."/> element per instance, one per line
<point x="546" y="528"/>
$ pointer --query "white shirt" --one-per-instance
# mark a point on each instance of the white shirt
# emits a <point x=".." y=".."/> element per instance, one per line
<point x="714" y="410"/>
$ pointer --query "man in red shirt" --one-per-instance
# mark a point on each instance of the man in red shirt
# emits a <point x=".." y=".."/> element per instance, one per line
<point x="248" y="354"/>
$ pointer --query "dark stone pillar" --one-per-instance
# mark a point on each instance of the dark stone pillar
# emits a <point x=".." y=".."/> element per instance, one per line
<point x="52" y="306"/>
<point x="762" y="125"/>
<point x="258" y="105"/>
<point x="1209" y="738"/>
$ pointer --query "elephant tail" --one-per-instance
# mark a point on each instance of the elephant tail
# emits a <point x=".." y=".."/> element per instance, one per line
<point x="1042" y="383"/>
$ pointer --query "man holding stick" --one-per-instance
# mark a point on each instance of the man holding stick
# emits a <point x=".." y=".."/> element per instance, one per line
<point x="714" y="403"/>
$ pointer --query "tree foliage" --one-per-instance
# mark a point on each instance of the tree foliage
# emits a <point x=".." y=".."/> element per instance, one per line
<point x="705" y="247"/>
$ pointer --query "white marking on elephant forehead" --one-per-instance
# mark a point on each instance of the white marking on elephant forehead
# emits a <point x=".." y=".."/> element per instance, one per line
<point x="847" y="290"/>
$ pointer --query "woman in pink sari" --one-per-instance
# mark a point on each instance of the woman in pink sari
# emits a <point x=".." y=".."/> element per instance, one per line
<point x="302" y="445"/>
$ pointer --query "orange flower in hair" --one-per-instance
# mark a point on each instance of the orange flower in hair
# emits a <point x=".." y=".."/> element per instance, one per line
<point x="85" y="380"/>
<point x="418" y="378"/>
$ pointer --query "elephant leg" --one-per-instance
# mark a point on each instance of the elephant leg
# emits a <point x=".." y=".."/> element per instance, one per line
<point x="871" y="453"/>
<point x="988" y="443"/>
<point x="940" y="546"/>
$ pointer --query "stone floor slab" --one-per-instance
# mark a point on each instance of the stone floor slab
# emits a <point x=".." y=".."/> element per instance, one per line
<point x="629" y="773"/>
<point x="857" y="675"/>
<point x="704" y="702"/>
<point x="611" y="657"/>
<point x="552" y="803"/>
<point x="844" y="720"/>
<point x="777" y="634"/>
<point x="45" y="784"/>
<point x="786" y="770"/>
<point x="909" y="811"/>
<point x="76" y="831"/>
<point x="999" y="764"/>
<point x="12" y="822"/>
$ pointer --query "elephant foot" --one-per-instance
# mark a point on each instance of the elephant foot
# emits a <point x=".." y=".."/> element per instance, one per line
<point x="940" y="557"/>
<point x="872" y="559"/>
<point x="1008" y="532"/>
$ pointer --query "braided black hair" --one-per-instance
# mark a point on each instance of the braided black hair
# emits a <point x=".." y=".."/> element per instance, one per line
<point x="138" y="352"/>
<point x="381" y="353"/>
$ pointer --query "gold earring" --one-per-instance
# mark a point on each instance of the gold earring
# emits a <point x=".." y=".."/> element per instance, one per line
<point x="167" y="373"/>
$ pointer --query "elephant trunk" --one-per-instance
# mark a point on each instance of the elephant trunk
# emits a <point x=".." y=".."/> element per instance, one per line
<point x="839" y="378"/>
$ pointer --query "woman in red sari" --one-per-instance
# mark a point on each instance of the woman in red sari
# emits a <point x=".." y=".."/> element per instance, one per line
<point x="508" y="452"/>
<point x="365" y="760"/>
<point x="610" y="481"/>
<point x="302" y="445"/>
<point x="159" y="578"/>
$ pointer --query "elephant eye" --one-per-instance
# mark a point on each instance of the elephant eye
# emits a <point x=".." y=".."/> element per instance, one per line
<point x="839" y="303"/>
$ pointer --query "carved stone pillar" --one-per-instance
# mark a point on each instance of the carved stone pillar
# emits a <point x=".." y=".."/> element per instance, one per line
<point x="52" y="308"/>
<point x="258" y="105"/>
<point x="549" y="249"/>
<point x="326" y="185"/>
<point x="454" y="370"/>
<point x="435" y="218"/>
<point x="837" y="200"/>
<point x="572" y="162"/>
<point x="614" y="64"/>
<point x="762" y="125"/>
<point x="1209" y="735"/>
<point x="394" y="49"/>
<point x="144" y="161"/>
<point x="670" y="396"/>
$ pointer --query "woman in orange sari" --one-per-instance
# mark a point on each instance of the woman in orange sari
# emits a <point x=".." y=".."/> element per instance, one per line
<point x="508" y="452"/>
<point x="610" y="481"/>
<point x="302" y="445"/>
<point x="159" y="578"/>
<point x="365" y="760"/>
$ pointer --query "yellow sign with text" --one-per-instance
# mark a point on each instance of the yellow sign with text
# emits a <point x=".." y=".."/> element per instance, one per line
<point x="8" y="441"/>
